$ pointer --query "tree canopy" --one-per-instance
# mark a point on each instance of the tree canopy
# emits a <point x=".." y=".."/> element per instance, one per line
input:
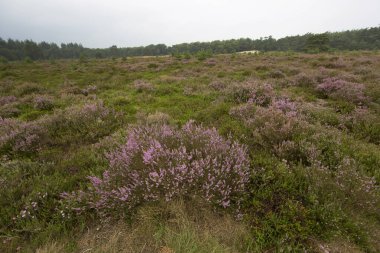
<point x="362" y="39"/>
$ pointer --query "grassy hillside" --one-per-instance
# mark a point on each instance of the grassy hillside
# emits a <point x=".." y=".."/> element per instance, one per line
<point x="236" y="153"/>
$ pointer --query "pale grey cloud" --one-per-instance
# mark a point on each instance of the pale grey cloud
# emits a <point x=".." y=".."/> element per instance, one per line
<point x="132" y="23"/>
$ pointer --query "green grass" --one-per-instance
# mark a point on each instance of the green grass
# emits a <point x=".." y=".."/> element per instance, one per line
<point x="290" y="205"/>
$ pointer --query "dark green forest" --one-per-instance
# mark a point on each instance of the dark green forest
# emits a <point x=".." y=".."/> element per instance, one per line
<point x="362" y="39"/>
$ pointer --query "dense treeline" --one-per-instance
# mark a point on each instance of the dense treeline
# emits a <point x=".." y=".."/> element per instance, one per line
<point x="363" y="39"/>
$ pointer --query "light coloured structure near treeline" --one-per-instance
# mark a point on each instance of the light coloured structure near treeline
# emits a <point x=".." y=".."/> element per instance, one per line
<point x="249" y="52"/>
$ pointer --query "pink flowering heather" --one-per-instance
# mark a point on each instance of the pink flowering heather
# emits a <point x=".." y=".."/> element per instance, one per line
<point x="161" y="163"/>
<point x="142" y="85"/>
<point x="253" y="91"/>
<point x="7" y="100"/>
<point x="43" y="102"/>
<point x="63" y="127"/>
<point x="19" y="136"/>
<point x="337" y="88"/>
<point x="271" y="125"/>
<point x="286" y="106"/>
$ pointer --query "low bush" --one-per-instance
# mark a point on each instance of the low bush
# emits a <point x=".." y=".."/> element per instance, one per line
<point x="142" y="85"/>
<point x="251" y="90"/>
<point x="340" y="89"/>
<point x="43" y="102"/>
<point x="77" y="124"/>
<point x="163" y="163"/>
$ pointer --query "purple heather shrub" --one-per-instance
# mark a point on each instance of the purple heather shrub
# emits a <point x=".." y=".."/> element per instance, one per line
<point x="336" y="63"/>
<point x="272" y="125"/>
<point x="244" y="112"/>
<point x="251" y="90"/>
<point x="9" y="110"/>
<point x="337" y="88"/>
<point x="304" y="80"/>
<point x="276" y="74"/>
<point x="160" y="162"/>
<point x="218" y="85"/>
<point x="20" y="136"/>
<point x="262" y="94"/>
<point x="80" y="123"/>
<point x="7" y="100"/>
<point x="363" y="123"/>
<point x="286" y="106"/>
<point x="43" y="102"/>
<point x="74" y="124"/>
<point x="142" y="85"/>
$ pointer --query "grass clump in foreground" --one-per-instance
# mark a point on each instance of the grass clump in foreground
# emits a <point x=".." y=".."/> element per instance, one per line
<point x="283" y="154"/>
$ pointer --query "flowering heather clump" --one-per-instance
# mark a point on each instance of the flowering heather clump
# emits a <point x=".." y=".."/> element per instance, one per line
<point x="161" y="163"/>
<point x="19" y="136"/>
<point x="286" y="106"/>
<point x="304" y="80"/>
<point x="142" y="85"/>
<point x="258" y="93"/>
<point x="43" y="102"/>
<point x="244" y="112"/>
<point x="9" y="110"/>
<point x="336" y="63"/>
<point x="337" y="88"/>
<point x="262" y="94"/>
<point x="272" y="125"/>
<point x="80" y="123"/>
<point x="7" y="100"/>
<point x="74" y="124"/>
<point x="364" y="124"/>
<point x="218" y="85"/>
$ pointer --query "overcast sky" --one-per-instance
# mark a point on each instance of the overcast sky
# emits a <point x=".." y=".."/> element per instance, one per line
<point x="141" y="22"/>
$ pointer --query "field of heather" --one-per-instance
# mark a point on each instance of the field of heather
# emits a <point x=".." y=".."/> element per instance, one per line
<point x="266" y="152"/>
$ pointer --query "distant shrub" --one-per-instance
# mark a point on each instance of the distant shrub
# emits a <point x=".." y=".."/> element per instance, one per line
<point x="203" y="55"/>
<point x="304" y="80"/>
<point x="163" y="163"/>
<point x="4" y="100"/>
<point x="276" y="74"/>
<point x="244" y="112"/>
<point x="336" y="64"/>
<point x="29" y="88"/>
<point x="210" y="62"/>
<point x="121" y="101"/>
<point x="158" y="118"/>
<point x="286" y="106"/>
<point x="152" y="65"/>
<point x="76" y="124"/>
<point x="142" y="85"/>
<point x="251" y="90"/>
<point x="363" y="124"/>
<point x="19" y="136"/>
<point x="272" y="125"/>
<point x="84" y="123"/>
<point x="218" y="85"/>
<point x="337" y="88"/>
<point x="28" y="60"/>
<point x="3" y="60"/>
<point x="43" y="102"/>
<point x="9" y="110"/>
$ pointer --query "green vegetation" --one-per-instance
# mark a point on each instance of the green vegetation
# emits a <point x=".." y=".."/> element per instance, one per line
<point x="362" y="39"/>
<point x="302" y="132"/>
